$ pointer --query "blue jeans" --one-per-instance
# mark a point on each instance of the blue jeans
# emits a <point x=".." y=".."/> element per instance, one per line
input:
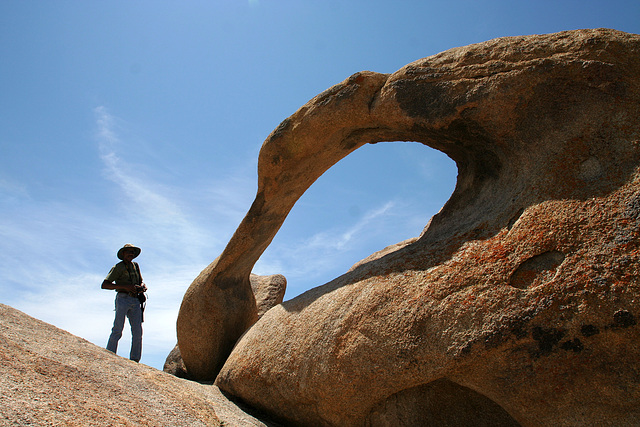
<point x="127" y="306"/>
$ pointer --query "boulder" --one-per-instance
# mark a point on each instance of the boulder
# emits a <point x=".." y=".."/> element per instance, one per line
<point x="174" y="364"/>
<point x="522" y="293"/>
<point x="268" y="292"/>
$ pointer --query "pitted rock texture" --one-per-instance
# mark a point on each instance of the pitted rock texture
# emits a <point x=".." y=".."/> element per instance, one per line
<point x="522" y="290"/>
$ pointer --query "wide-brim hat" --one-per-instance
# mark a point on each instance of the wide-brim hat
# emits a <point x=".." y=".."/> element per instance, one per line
<point x="129" y="246"/>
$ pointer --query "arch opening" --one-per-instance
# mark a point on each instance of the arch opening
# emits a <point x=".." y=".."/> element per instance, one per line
<point x="439" y="403"/>
<point x="378" y="195"/>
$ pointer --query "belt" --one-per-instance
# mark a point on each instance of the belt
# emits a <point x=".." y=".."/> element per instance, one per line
<point x="131" y="294"/>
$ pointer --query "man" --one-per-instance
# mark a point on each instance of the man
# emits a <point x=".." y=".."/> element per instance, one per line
<point x="128" y="284"/>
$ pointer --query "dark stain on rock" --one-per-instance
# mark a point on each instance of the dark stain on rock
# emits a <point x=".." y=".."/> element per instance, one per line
<point x="467" y="131"/>
<point x="359" y="136"/>
<point x="466" y="350"/>
<point x="510" y="329"/>
<point x="421" y="99"/>
<point x="518" y="327"/>
<point x="282" y="128"/>
<point x="515" y="218"/>
<point x="633" y="207"/>
<point x="338" y="93"/>
<point x="528" y="271"/>
<point x="546" y="339"/>
<point x="560" y="98"/>
<point x="589" y="330"/>
<point x="574" y="345"/>
<point x="622" y="319"/>
<point x="486" y="164"/>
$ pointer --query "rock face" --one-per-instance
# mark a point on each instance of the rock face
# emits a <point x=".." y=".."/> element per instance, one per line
<point x="522" y="293"/>
<point x="49" y="377"/>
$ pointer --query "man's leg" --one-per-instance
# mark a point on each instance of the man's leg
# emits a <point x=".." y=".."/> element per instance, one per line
<point x="118" y="325"/>
<point x="135" y="320"/>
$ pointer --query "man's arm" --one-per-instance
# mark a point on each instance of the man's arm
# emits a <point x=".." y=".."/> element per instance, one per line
<point x="110" y="285"/>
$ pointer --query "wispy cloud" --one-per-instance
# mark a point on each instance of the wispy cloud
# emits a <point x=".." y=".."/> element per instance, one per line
<point x="356" y="230"/>
<point x="194" y="219"/>
<point x="327" y="253"/>
<point x="144" y="202"/>
<point x="11" y="192"/>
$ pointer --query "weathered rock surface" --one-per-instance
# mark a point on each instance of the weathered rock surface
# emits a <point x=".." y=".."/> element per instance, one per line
<point x="522" y="290"/>
<point x="49" y="377"/>
<point x="268" y="291"/>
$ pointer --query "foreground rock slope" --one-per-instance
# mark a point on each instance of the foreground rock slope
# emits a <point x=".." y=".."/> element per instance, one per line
<point x="49" y="377"/>
<point x="520" y="294"/>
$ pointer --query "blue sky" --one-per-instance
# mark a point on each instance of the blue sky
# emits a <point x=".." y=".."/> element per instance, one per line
<point x="140" y="122"/>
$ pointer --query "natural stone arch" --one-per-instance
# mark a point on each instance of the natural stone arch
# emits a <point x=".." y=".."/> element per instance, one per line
<point x="299" y="151"/>
<point x="545" y="134"/>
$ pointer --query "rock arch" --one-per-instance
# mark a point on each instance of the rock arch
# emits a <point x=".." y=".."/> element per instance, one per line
<point x="299" y="151"/>
<point x="544" y="132"/>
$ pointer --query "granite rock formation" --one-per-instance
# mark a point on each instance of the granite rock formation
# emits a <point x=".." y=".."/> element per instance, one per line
<point x="521" y="293"/>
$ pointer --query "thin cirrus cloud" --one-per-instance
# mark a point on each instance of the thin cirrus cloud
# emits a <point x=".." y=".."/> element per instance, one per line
<point x="160" y="216"/>
<point x="312" y="261"/>
<point x="141" y="197"/>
